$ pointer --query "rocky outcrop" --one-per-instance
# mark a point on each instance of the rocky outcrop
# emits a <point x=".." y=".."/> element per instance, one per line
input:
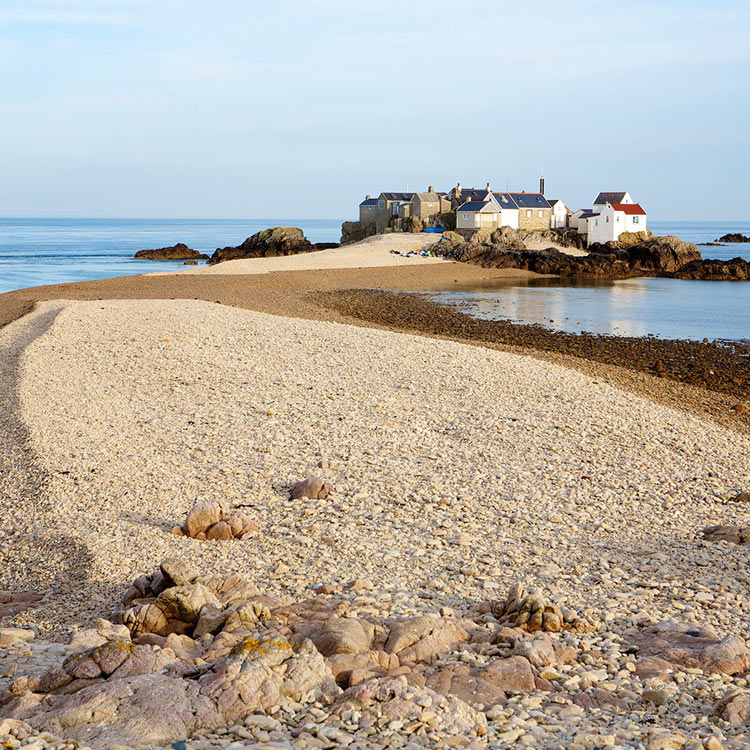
<point x="189" y="652"/>
<point x="355" y="231"/>
<point x="216" y="521"/>
<point x="180" y="251"/>
<point x="268" y="243"/>
<point x="532" y="612"/>
<point x="736" y="269"/>
<point x="734" y="237"/>
<point x="658" y="256"/>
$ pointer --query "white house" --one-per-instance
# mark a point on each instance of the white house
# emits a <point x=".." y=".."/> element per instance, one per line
<point x="602" y="199"/>
<point x="578" y="220"/>
<point x="613" y="220"/>
<point x="559" y="213"/>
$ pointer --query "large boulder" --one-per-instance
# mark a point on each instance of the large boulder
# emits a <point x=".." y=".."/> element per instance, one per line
<point x="180" y="251"/>
<point x="216" y="521"/>
<point x="662" y="254"/>
<point x="355" y="231"/>
<point x="268" y="243"/>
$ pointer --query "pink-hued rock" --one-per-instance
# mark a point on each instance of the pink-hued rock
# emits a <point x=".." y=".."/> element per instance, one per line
<point x="512" y="674"/>
<point x="146" y="701"/>
<point x="11" y="603"/>
<point x="423" y="639"/>
<point x="734" y="707"/>
<point x="344" y="636"/>
<point x="673" y="645"/>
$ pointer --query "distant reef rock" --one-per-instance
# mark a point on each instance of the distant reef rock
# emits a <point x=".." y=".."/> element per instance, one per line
<point x="656" y="256"/>
<point x="270" y="243"/>
<point x="734" y="237"/>
<point x="180" y="251"/>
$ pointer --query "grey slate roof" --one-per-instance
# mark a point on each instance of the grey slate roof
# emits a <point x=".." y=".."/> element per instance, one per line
<point x="603" y="198"/>
<point x="530" y="200"/>
<point x="369" y="202"/>
<point x="475" y="206"/>
<point x="430" y="197"/>
<point x="398" y="196"/>
<point x="505" y="200"/>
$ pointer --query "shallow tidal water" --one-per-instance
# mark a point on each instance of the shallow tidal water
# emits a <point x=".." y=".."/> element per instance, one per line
<point x="667" y="308"/>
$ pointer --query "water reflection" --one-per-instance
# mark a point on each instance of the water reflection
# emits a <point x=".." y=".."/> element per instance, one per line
<point x="668" y="308"/>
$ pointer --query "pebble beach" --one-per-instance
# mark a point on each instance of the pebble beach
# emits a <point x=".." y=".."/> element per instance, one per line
<point x="457" y="472"/>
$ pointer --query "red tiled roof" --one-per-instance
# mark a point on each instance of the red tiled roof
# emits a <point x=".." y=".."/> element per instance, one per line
<point x="629" y="208"/>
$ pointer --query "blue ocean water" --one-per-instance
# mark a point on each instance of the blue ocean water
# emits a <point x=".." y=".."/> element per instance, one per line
<point x="34" y="252"/>
<point x="668" y="308"/>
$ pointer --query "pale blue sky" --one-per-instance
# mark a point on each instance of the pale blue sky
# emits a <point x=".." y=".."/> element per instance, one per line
<point x="168" y="108"/>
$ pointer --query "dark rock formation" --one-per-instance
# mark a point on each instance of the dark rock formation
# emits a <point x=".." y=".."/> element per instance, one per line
<point x="736" y="269"/>
<point x="180" y="251"/>
<point x="268" y="243"/>
<point x="734" y="237"/>
<point x="355" y="231"/>
<point x="657" y="256"/>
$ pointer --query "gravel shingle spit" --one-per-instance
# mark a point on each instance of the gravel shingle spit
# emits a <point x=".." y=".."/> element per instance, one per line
<point x="456" y="471"/>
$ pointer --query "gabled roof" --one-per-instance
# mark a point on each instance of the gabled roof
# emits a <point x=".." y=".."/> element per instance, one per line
<point x="505" y="200"/>
<point x="629" y="208"/>
<point x="369" y="202"/>
<point x="476" y="207"/>
<point x="430" y="197"/>
<point x="603" y="198"/>
<point x="552" y="201"/>
<point x="397" y="196"/>
<point x="530" y="200"/>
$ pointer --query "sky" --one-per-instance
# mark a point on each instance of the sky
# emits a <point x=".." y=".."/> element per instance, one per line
<point x="298" y="108"/>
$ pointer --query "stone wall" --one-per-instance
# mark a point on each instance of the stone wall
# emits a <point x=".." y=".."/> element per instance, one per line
<point x="534" y="221"/>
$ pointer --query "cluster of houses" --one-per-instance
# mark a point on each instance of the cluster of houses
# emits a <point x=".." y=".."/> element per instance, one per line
<point x="611" y="214"/>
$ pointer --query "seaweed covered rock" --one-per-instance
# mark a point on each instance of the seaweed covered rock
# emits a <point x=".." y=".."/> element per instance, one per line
<point x="268" y="243"/>
<point x="180" y="251"/>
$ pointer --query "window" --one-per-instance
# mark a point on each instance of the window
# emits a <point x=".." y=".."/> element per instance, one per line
<point x="618" y="219"/>
<point x="541" y="213"/>
<point x="636" y="220"/>
<point x="607" y="219"/>
<point x="381" y="203"/>
<point x="528" y="214"/>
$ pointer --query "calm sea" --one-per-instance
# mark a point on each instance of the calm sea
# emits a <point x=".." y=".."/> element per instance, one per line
<point x="668" y="308"/>
<point x="52" y="251"/>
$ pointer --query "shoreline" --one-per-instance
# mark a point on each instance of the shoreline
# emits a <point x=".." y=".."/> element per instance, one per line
<point x="301" y="294"/>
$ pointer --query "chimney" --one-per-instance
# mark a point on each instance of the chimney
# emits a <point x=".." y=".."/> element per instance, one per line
<point x="541" y="183"/>
<point x="367" y="197"/>
<point x="488" y="187"/>
<point x="430" y="189"/>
